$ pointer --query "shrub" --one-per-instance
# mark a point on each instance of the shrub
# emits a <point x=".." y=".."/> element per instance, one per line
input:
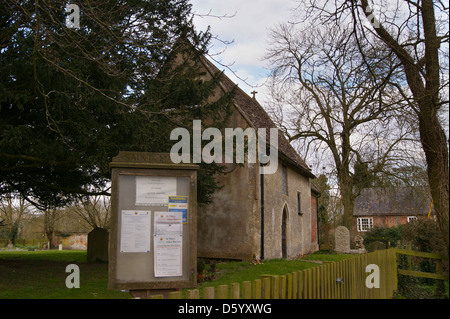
<point x="425" y="235"/>
<point x="387" y="235"/>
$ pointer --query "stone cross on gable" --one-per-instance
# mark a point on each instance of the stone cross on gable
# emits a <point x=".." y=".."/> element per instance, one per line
<point x="254" y="94"/>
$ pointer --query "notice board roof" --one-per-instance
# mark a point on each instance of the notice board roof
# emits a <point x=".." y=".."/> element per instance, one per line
<point x="148" y="160"/>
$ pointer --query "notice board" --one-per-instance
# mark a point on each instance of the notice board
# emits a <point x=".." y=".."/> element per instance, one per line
<point x="153" y="232"/>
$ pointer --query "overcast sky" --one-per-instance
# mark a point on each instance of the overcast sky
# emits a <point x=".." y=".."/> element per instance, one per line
<point x="247" y="26"/>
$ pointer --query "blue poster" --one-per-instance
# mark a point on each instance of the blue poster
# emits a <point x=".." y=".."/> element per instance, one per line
<point x="179" y="204"/>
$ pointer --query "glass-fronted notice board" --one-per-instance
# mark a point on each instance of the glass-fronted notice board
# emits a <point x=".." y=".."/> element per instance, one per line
<point x="153" y="223"/>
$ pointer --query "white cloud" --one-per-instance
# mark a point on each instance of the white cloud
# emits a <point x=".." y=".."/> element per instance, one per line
<point x="248" y="28"/>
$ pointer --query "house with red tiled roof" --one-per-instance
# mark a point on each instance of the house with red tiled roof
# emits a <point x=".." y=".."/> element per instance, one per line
<point x="263" y="216"/>
<point x="389" y="207"/>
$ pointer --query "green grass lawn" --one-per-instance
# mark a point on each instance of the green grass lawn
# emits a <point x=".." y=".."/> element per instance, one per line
<point x="228" y="273"/>
<point x="231" y="272"/>
<point x="42" y="275"/>
<point x="238" y="272"/>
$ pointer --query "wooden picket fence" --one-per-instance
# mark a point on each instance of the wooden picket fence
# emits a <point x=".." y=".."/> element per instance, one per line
<point x="345" y="279"/>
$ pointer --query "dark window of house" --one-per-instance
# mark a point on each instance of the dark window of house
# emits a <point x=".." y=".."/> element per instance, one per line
<point x="284" y="178"/>
<point x="299" y="203"/>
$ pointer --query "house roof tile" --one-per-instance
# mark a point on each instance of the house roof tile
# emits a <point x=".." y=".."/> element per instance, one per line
<point x="398" y="201"/>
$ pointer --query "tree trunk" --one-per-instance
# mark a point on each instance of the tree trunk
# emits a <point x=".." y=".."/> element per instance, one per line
<point x="426" y="93"/>
<point x="434" y="144"/>
<point x="432" y="135"/>
<point x="348" y="202"/>
<point x="345" y="179"/>
<point x="49" y="225"/>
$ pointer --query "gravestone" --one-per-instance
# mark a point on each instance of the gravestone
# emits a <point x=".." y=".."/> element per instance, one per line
<point x="342" y="239"/>
<point x="97" y="248"/>
<point x="359" y="242"/>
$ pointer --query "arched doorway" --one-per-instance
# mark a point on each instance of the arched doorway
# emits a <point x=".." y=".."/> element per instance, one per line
<point x="283" y="234"/>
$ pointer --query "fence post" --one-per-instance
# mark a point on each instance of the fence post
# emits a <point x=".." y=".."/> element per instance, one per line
<point x="348" y="276"/>
<point x="175" y="295"/>
<point x="222" y="292"/>
<point x="283" y="287"/>
<point x="247" y="290"/>
<point x="295" y="285"/>
<point x="384" y="288"/>
<point x="275" y="287"/>
<point x="265" y="288"/>
<point x="300" y="284"/>
<point x="394" y="270"/>
<point x="314" y="283"/>
<point x="332" y="277"/>
<point x="193" y="294"/>
<point x="308" y="284"/>
<point x="440" y="288"/>
<point x="235" y="287"/>
<point x="322" y="282"/>
<point x="208" y="293"/>
<point x="289" y="286"/>
<point x="339" y="275"/>
<point x="330" y="281"/>
<point x="257" y="289"/>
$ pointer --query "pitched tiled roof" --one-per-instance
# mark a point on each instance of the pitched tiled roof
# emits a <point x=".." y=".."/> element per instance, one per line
<point x="258" y="118"/>
<point x="393" y="201"/>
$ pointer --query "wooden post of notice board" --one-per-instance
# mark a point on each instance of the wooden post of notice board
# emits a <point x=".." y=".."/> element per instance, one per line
<point x="153" y="231"/>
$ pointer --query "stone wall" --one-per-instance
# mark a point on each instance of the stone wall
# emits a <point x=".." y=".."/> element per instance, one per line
<point x="229" y="226"/>
<point x="73" y="241"/>
<point x="298" y="226"/>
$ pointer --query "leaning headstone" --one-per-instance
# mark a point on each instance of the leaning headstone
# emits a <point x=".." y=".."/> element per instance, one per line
<point x="97" y="247"/>
<point x="342" y="239"/>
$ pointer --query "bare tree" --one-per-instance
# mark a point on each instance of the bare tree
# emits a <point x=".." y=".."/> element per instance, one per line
<point x="417" y="33"/>
<point x="51" y="216"/>
<point x="95" y="210"/>
<point x="328" y="101"/>
<point x="12" y="210"/>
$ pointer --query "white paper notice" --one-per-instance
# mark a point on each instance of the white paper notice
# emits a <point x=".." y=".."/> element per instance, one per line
<point x="154" y="190"/>
<point x="168" y="255"/>
<point x="168" y="244"/>
<point x="168" y="223"/>
<point x="135" y="231"/>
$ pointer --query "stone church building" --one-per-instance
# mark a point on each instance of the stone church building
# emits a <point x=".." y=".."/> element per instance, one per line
<point x="255" y="215"/>
<point x="263" y="216"/>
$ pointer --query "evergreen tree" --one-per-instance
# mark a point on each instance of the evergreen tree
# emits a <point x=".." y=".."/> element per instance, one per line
<point x="71" y="98"/>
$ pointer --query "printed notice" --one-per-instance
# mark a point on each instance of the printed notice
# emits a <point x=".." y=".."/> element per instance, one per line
<point x="168" y="223"/>
<point x="154" y="190"/>
<point x="179" y="204"/>
<point x="168" y="255"/>
<point x="168" y="243"/>
<point x="135" y="231"/>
